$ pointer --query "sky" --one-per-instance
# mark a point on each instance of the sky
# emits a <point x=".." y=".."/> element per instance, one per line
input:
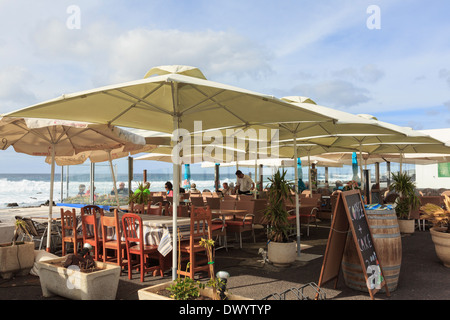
<point x="390" y="59"/>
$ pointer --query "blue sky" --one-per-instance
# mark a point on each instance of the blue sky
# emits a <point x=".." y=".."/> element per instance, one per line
<point x="399" y="73"/>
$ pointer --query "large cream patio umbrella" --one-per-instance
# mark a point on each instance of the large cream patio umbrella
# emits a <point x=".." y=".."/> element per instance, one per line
<point x="169" y="101"/>
<point x="56" y="138"/>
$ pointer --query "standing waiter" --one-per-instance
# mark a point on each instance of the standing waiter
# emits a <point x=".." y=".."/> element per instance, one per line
<point x="244" y="183"/>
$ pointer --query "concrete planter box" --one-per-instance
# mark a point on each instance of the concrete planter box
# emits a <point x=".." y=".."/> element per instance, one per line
<point x="73" y="284"/>
<point x="17" y="259"/>
<point x="150" y="293"/>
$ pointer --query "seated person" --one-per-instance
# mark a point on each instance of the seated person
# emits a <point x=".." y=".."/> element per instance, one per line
<point x="194" y="189"/>
<point x="81" y="190"/>
<point x="169" y="188"/>
<point x="226" y="189"/>
<point x="121" y="190"/>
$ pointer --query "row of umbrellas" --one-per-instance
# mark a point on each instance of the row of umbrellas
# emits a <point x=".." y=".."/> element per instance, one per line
<point x="174" y="99"/>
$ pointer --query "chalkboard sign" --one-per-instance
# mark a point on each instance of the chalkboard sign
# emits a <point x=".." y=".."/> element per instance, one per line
<point x="350" y="216"/>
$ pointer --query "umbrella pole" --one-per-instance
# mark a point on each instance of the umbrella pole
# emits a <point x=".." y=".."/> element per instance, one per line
<point x="360" y="166"/>
<point x="309" y="175"/>
<point x="297" y="203"/>
<point x="114" y="179"/>
<point x="176" y="186"/>
<point x="50" y="204"/>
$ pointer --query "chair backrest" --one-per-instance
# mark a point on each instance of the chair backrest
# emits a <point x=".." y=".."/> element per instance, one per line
<point x="133" y="230"/>
<point x="68" y="222"/>
<point x="89" y="225"/>
<point x="155" y="211"/>
<point x="156" y="199"/>
<point x="200" y="222"/>
<point x="197" y="201"/>
<point x="183" y="211"/>
<point x="138" y="208"/>
<point x="169" y="199"/>
<point x="91" y="209"/>
<point x="110" y="226"/>
<point x="244" y="197"/>
<point x="437" y="200"/>
<point x="260" y="207"/>
<point x="310" y="202"/>
<point x="213" y="203"/>
<point x="230" y="197"/>
<point x="228" y="204"/>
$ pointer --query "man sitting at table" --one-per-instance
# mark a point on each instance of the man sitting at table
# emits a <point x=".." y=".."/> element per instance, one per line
<point x="243" y="183"/>
<point x="121" y="190"/>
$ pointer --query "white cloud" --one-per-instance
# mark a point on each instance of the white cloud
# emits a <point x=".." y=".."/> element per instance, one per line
<point x="335" y="93"/>
<point x="14" y="82"/>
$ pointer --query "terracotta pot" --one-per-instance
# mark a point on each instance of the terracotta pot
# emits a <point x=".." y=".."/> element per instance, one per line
<point x="441" y="241"/>
<point x="282" y="254"/>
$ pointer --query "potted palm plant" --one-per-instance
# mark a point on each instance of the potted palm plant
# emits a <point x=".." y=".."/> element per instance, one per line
<point x="440" y="232"/>
<point x="280" y="251"/>
<point x="407" y="200"/>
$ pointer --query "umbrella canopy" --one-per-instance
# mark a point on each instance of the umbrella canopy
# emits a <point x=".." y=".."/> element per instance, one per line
<point x="58" y="138"/>
<point x="168" y="102"/>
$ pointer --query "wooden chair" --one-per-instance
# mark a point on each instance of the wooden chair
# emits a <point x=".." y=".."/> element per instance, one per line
<point x="112" y="239"/>
<point x="156" y="199"/>
<point x="228" y="204"/>
<point x="69" y="231"/>
<point x="199" y="228"/>
<point x="91" y="209"/>
<point x="134" y="238"/>
<point x="90" y="227"/>
<point x="197" y="201"/>
<point x="213" y="203"/>
<point x="155" y="211"/>
<point x="138" y="208"/>
<point x="243" y="223"/>
<point x="183" y="211"/>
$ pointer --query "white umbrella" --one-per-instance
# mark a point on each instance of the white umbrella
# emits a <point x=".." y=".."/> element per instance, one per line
<point x="56" y="138"/>
<point x="171" y="101"/>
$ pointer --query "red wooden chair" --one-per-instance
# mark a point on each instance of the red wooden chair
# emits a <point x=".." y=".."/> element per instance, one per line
<point x="69" y="231"/>
<point x="243" y="223"/>
<point x="199" y="228"/>
<point x="134" y="238"/>
<point x="89" y="224"/>
<point x="112" y="240"/>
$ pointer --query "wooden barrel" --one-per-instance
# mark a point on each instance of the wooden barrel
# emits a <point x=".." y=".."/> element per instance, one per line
<point x="388" y="245"/>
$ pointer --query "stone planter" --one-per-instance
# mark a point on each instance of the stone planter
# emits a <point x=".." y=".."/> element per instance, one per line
<point x="73" y="284"/>
<point x="441" y="242"/>
<point x="407" y="226"/>
<point x="282" y="254"/>
<point x="150" y="293"/>
<point x="17" y="259"/>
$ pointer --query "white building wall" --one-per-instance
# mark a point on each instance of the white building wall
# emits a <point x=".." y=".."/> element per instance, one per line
<point x="427" y="177"/>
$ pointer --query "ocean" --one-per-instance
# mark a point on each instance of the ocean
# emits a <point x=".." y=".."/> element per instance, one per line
<point x="34" y="189"/>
